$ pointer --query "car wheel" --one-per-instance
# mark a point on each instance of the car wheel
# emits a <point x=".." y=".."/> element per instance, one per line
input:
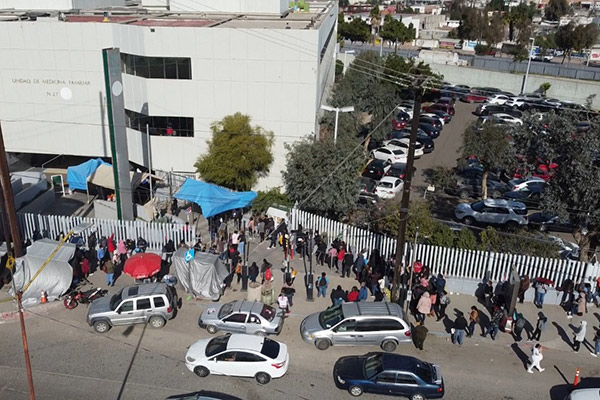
<point x="202" y="372"/>
<point x="389" y="162"/>
<point x="212" y="329"/>
<point x="471" y="101"/>
<point x="156" y="321"/>
<point x="417" y="396"/>
<point x="463" y="195"/>
<point x="101" y="326"/>
<point x="260" y="333"/>
<point x="495" y="194"/>
<point x="322" y="344"/>
<point x="468" y="220"/>
<point x="355" y="391"/>
<point x="512" y="225"/>
<point x="388" y="345"/>
<point x="263" y="378"/>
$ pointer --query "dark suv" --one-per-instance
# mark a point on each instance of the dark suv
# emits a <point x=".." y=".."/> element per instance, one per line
<point x="376" y="169"/>
<point x="468" y="183"/>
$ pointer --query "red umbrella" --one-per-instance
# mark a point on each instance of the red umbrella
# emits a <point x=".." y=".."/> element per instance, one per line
<point x="142" y="265"/>
<point x="545" y="280"/>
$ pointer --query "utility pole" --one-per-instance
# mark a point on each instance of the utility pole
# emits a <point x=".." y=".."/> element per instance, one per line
<point x="12" y="234"/>
<point x="400" y="241"/>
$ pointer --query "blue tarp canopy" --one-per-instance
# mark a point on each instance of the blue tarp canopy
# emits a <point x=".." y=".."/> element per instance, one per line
<point x="212" y="198"/>
<point x="77" y="175"/>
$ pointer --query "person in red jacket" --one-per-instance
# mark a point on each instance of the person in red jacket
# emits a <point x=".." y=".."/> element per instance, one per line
<point x="353" y="295"/>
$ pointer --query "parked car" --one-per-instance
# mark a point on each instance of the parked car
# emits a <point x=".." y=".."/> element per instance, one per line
<point x="473" y="97"/>
<point x="203" y="395"/>
<point x="376" y="169"/>
<point x="468" y="183"/>
<point x="490" y="109"/>
<point x="241" y="316"/>
<point x="435" y="122"/>
<point x="526" y="183"/>
<point x="152" y="303"/>
<point x="498" y="99"/>
<point x="390" y="154"/>
<point x="405" y="114"/>
<point x="493" y="211"/>
<point x="446" y="100"/>
<point x="403" y="144"/>
<point x="391" y="374"/>
<point x="528" y="196"/>
<point x="367" y="200"/>
<point x="367" y="185"/>
<point x="429" y="130"/>
<point x="546" y="221"/>
<point x="397" y="125"/>
<point x="389" y="187"/>
<point x="422" y="138"/>
<point x="447" y="118"/>
<point x="447" y="108"/>
<point x="356" y="324"/>
<point x="434" y="116"/>
<point x="398" y="170"/>
<point x="508" y="118"/>
<point x="238" y="355"/>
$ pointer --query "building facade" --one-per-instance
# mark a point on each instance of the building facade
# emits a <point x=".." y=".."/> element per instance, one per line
<point x="182" y="71"/>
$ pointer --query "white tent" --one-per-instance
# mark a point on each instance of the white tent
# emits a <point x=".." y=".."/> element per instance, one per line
<point x="56" y="277"/>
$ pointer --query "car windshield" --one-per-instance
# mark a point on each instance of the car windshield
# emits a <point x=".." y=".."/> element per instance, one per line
<point x="225" y="310"/>
<point x="424" y="371"/>
<point x="217" y="345"/>
<point x="270" y="348"/>
<point x="477" y="206"/>
<point x="331" y="317"/>
<point x="386" y="185"/>
<point x="373" y="365"/>
<point x="115" y="300"/>
<point x="268" y="313"/>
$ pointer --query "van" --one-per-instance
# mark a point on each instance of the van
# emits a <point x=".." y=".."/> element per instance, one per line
<point x="357" y="324"/>
<point x="153" y="303"/>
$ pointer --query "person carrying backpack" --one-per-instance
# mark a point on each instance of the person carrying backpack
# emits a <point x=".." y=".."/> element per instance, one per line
<point x="322" y="283"/>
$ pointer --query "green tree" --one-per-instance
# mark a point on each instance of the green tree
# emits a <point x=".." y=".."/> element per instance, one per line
<point x="556" y="9"/>
<point x="375" y="16"/>
<point x="544" y="87"/>
<point x="472" y="25"/>
<point x="585" y="36"/>
<point x="545" y="43"/>
<point x="323" y="177"/>
<point x="519" y="19"/>
<point x="565" y="39"/>
<point x="356" y="30"/>
<point x="238" y="153"/>
<point x="494" y="32"/>
<point x="491" y="146"/>
<point x="466" y="239"/>
<point x="396" y="32"/>
<point x="574" y="192"/>
<point x="442" y="235"/>
<point x="489" y="240"/>
<point x="419" y="215"/>
<point x="266" y="199"/>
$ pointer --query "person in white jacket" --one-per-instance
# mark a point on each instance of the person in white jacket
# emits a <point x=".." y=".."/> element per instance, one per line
<point x="580" y="336"/>
<point x="536" y="358"/>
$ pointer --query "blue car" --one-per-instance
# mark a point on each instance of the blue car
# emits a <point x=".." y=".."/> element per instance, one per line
<point x="391" y="374"/>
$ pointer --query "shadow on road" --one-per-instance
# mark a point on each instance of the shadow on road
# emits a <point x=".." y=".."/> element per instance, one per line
<point x="521" y="354"/>
<point x="135" y="352"/>
<point x="563" y="334"/>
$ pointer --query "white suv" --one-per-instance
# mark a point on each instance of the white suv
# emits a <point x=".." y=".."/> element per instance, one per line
<point x="492" y="211"/>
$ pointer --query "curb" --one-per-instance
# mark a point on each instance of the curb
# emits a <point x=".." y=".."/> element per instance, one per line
<point x="10" y="316"/>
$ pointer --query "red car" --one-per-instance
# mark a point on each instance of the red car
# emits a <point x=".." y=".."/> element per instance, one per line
<point x="472" y="97"/>
<point x="447" y="108"/>
<point x="542" y="171"/>
<point x="398" y="125"/>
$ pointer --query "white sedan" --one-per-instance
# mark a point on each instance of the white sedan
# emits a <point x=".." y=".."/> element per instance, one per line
<point x="388" y="187"/>
<point x="403" y="144"/>
<point x="499" y="99"/>
<point x="407" y="110"/>
<point x="390" y="154"/>
<point x="508" y="118"/>
<point x="238" y="355"/>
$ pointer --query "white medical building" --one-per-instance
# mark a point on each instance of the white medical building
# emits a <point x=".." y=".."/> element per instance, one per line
<point x="185" y="63"/>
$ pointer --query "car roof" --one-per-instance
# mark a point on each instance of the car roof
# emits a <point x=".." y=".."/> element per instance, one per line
<point x="391" y="179"/>
<point x="246" y="342"/>
<point x="144" y="289"/>
<point x="372" y="309"/>
<point x="585" y="394"/>
<point x="247" y="306"/>
<point x="504" y="203"/>
<point x="376" y="162"/>
<point x="400" y="362"/>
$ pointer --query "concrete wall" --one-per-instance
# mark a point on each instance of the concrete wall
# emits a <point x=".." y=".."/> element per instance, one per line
<point x="59" y="5"/>
<point x="232" y="6"/>
<point x="562" y="88"/>
<point x="52" y="96"/>
<point x="29" y="192"/>
<point x="41" y="203"/>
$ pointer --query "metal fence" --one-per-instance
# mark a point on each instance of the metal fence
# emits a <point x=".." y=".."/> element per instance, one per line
<point x="452" y="262"/>
<point x="156" y="234"/>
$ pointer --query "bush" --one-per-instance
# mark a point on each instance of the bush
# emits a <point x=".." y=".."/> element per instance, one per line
<point x="273" y="196"/>
<point x="466" y="239"/>
<point x="482" y="49"/>
<point x="339" y="68"/>
<point x="442" y="235"/>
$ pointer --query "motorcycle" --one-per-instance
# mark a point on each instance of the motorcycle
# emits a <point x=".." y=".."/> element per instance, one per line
<point x="75" y="297"/>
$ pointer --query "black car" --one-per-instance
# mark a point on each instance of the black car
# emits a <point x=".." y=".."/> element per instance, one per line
<point x="430" y="130"/>
<point x="422" y="138"/>
<point x="435" y="122"/>
<point x="391" y="374"/>
<point x="530" y="196"/>
<point x="398" y="170"/>
<point x="367" y="185"/>
<point x="376" y="169"/>
<point x="203" y="395"/>
<point x="443" y="115"/>
<point x="403" y="116"/>
<point x="367" y="200"/>
<point x="468" y="183"/>
<point x="545" y="221"/>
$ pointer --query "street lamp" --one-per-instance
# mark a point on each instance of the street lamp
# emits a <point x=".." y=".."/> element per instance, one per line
<point x="531" y="42"/>
<point x="337" y="113"/>
<point x="345" y="61"/>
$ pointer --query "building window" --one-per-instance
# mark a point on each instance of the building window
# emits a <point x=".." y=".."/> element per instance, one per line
<point x="160" y="126"/>
<point x="156" y="67"/>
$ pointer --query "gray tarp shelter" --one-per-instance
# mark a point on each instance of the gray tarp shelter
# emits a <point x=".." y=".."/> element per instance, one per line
<point x="56" y="277"/>
<point x="201" y="276"/>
